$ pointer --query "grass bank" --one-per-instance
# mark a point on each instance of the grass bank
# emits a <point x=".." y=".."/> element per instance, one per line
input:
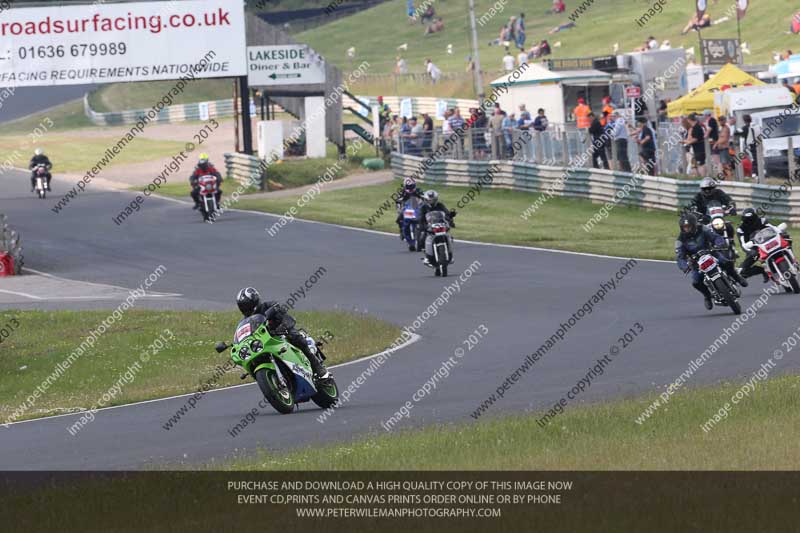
<point x="30" y="353"/>
<point x="72" y="152"/>
<point x="495" y="216"/>
<point x="759" y="434"/>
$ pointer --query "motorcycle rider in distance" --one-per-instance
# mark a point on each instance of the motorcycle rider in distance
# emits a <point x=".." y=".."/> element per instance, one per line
<point x="203" y="168"/>
<point x="279" y="322"/>
<point x="40" y="159"/>
<point x="709" y="193"/>
<point x="751" y="224"/>
<point x="694" y="237"/>
<point x="432" y="203"/>
<point x="409" y="191"/>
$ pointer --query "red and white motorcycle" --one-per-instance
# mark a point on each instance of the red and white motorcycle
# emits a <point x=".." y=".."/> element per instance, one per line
<point x="775" y="252"/>
<point x="208" y="196"/>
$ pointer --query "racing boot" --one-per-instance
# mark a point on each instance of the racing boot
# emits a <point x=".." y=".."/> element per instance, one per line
<point x="708" y="303"/>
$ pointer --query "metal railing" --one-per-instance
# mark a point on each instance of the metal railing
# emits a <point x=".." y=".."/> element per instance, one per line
<point x="566" y="146"/>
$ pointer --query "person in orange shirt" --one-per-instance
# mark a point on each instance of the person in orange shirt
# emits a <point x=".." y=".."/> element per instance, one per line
<point x="606" y="107"/>
<point x="796" y="87"/>
<point x="582" y="112"/>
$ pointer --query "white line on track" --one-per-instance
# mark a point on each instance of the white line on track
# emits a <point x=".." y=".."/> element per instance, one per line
<point x="384" y="233"/>
<point x="414" y="338"/>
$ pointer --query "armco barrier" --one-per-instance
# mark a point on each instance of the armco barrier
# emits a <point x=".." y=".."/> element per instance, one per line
<point x="244" y="169"/>
<point x="11" y="243"/>
<point x="596" y="184"/>
<point x="173" y="113"/>
<point x="224" y="108"/>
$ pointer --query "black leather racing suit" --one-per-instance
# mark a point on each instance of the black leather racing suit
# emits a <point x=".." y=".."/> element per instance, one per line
<point x="746" y="233"/>
<point x="280" y="322"/>
<point x="700" y="203"/>
<point x="422" y="229"/>
<point x="36" y="161"/>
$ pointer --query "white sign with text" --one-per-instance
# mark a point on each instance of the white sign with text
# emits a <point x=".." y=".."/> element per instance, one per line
<point x="108" y="43"/>
<point x="285" y="64"/>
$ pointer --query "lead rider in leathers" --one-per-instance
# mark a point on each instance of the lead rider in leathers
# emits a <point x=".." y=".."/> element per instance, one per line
<point x="693" y="238"/>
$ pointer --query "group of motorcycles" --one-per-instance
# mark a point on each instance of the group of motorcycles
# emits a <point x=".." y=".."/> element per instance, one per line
<point x="774" y="253"/>
<point x="437" y="225"/>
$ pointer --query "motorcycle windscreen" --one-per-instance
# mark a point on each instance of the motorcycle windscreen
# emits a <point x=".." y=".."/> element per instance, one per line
<point x="435" y="217"/>
<point x="764" y="235"/>
<point x="247" y="327"/>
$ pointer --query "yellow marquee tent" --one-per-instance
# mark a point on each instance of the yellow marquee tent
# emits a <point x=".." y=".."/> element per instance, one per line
<point x="702" y="98"/>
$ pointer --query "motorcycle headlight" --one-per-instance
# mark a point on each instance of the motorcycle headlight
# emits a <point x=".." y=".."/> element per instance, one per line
<point x="244" y="352"/>
<point x="256" y="346"/>
<point x="718" y="224"/>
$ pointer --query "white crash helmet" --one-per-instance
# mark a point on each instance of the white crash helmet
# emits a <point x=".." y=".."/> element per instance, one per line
<point x="718" y="224"/>
<point x="38" y="151"/>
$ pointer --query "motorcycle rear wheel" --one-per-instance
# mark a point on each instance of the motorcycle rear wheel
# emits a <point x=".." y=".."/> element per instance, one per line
<point x="281" y="399"/>
<point x="327" y="393"/>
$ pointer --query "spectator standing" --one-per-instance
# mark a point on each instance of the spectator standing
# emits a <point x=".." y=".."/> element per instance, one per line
<point x="508" y="61"/>
<point x="427" y="132"/>
<point x="457" y="124"/>
<point x="540" y="123"/>
<point x="401" y="67"/>
<point x="416" y="136"/>
<point x="433" y="71"/>
<point x="581" y="113"/>
<point x="607" y="106"/>
<point x="620" y="133"/>
<point x="384" y="112"/>
<point x="521" y="31"/>
<point x="662" y="111"/>
<point x="509" y="123"/>
<point x="522" y="57"/>
<point x="723" y="146"/>
<point x="599" y="142"/>
<point x="411" y="11"/>
<point x="750" y="142"/>
<point x="496" y="131"/>
<point x="712" y="132"/>
<point x="481" y="125"/>
<point x="524" y="115"/>
<point x="696" y="139"/>
<point x="647" y="146"/>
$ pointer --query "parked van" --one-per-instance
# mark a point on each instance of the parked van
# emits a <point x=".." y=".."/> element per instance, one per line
<point x="741" y="101"/>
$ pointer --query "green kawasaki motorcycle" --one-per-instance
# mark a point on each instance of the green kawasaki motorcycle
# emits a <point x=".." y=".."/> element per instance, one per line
<point x="282" y="371"/>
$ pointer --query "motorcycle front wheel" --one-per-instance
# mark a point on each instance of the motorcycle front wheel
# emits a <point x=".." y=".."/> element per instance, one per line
<point x="783" y="267"/>
<point x="327" y="393"/>
<point x="279" y="397"/>
<point x="727" y="296"/>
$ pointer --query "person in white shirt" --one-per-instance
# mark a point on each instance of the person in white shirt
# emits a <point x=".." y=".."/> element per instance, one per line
<point x="652" y="44"/>
<point x="522" y="57"/>
<point x="402" y="66"/>
<point x="665" y="45"/>
<point x="433" y="70"/>
<point x="508" y="61"/>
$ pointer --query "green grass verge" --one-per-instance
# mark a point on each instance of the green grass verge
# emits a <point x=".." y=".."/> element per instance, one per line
<point x="146" y="94"/>
<point x="70" y="152"/>
<point x="31" y="353"/>
<point x="600" y="26"/>
<point x="292" y="173"/>
<point x="759" y="434"/>
<point x="494" y="216"/>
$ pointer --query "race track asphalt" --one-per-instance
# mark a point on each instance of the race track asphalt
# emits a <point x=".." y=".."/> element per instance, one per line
<point x="520" y="295"/>
<point x="27" y="100"/>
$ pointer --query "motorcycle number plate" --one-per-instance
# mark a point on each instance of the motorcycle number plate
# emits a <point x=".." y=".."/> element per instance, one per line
<point x="707" y="262"/>
<point x="243" y="331"/>
<point x="410" y="213"/>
